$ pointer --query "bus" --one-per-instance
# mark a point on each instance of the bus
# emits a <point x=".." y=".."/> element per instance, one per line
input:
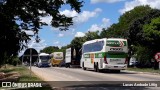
<point x="57" y="58"/>
<point x="43" y="60"/>
<point x="72" y="57"/>
<point x="105" y="54"/>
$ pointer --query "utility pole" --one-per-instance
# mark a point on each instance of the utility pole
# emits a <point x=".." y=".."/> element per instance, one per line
<point x="30" y="60"/>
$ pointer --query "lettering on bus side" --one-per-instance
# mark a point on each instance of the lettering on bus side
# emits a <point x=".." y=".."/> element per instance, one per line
<point x="116" y="49"/>
<point x="100" y="55"/>
<point x="114" y="43"/>
<point x="86" y="55"/>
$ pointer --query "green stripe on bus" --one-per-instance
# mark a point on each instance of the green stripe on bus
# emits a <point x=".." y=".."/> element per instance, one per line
<point x="107" y="54"/>
<point x="100" y="55"/>
<point x="123" y="55"/>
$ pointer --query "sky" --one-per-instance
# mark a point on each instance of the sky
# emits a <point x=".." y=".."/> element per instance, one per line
<point x="94" y="15"/>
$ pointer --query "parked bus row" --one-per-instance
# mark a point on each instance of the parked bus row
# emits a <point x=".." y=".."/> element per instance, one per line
<point x="98" y="54"/>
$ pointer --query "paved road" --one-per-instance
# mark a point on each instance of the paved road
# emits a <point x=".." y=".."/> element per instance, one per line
<point x="77" y="76"/>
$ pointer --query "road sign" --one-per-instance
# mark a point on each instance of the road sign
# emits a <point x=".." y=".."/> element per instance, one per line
<point x="157" y="57"/>
<point x="30" y="54"/>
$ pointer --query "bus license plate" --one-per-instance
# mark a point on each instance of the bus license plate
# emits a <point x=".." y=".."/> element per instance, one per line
<point x="116" y="66"/>
<point x="113" y="60"/>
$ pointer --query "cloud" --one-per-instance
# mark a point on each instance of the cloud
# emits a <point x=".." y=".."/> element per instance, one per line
<point x="32" y="44"/>
<point x="82" y="17"/>
<point x="79" y="34"/>
<point x="56" y="42"/>
<point x="28" y="32"/>
<point x="131" y="4"/>
<point x="47" y="19"/>
<point x="105" y="1"/>
<point x="77" y="17"/>
<point x="69" y="13"/>
<point x="60" y="35"/>
<point x="59" y="44"/>
<point x="86" y="15"/>
<point x="95" y="27"/>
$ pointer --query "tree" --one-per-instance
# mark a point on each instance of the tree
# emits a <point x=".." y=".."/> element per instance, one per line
<point x="111" y="32"/>
<point x="143" y="56"/>
<point x="49" y="49"/>
<point x="130" y="26"/>
<point x="144" y="32"/>
<point x="121" y="29"/>
<point x="129" y="17"/>
<point x="138" y="29"/>
<point x="77" y="42"/>
<point x="151" y="33"/>
<point x="92" y="35"/>
<point x="19" y="15"/>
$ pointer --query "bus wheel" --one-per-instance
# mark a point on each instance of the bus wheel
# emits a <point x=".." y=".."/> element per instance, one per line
<point x="83" y="66"/>
<point x="116" y="71"/>
<point x="39" y="66"/>
<point x="66" y="65"/>
<point x="96" y="68"/>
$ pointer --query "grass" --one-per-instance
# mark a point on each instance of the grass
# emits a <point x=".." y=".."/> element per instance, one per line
<point x="151" y="70"/>
<point x="23" y="71"/>
<point x="24" y="75"/>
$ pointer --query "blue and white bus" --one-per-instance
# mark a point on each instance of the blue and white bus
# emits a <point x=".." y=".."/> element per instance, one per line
<point x="44" y="60"/>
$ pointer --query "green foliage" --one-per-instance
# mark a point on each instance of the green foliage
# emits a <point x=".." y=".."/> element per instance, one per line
<point x="136" y="33"/>
<point x="13" y="60"/>
<point x="92" y="35"/>
<point x="151" y="33"/>
<point x="77" y="42"/>
<point x="50" y="49"/>
<point x="19" y="15"/>
<point x="141" y="26"/>
<point x="111" y="32"/>
<point x="152" y="30"/>
<point x="143" y="55"/>
<point x="121" y="29"/>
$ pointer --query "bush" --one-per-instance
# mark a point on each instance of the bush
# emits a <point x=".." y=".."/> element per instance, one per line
<point x="143" y="56"/>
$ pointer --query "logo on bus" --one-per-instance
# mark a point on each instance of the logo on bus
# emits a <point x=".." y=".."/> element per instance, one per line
<point x="116" y="43"/>
<point x="58" y="54"/>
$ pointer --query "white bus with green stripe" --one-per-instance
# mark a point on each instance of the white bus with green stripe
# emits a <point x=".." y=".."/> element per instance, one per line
<point x="106" y="53"/>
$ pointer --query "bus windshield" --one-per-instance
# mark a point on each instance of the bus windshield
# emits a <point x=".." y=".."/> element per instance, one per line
<point x="44" y="57"/>
<point x="93" y="47"/>
<point x="60" y="58"/>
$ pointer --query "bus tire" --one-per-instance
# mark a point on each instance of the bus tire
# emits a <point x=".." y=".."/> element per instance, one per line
<point x="65" y="65"/>
<point x="69" y="65"/>
<point x="96" y="68"/>
<point x="83" y="66"/>
<point x="118" y="71"/>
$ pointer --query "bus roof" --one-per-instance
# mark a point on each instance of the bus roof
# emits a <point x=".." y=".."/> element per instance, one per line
<point x="57" y="52"/>
<point x="43" y="54"/>
<point x="95" y="40"/>
<point x="116" y="39"/>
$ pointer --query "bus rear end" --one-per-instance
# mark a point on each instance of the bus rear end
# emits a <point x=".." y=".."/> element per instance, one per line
<point x="115" y="57"/>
